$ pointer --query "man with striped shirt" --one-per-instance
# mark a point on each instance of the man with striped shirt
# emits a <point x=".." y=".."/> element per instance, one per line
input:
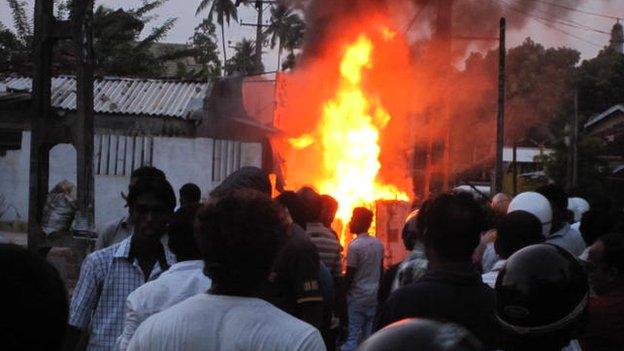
<point x="325" y="241"/>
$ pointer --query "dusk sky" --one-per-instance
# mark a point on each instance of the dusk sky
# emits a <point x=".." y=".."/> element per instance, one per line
<point x="589" y="44"/>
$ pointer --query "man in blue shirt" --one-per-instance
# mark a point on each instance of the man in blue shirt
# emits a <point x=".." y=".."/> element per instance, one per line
<point x="109" y="275"/>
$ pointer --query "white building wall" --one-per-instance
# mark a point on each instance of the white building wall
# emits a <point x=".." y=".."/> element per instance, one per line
<point x="182" y="159"/>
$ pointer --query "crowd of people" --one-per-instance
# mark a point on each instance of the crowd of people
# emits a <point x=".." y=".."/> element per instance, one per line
<point x="241" y="270"/>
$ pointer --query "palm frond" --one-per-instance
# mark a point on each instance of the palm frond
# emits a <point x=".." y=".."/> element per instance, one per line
<point x="148" y="6"/>
<point x="20" y="20"/>
<point x="157" y="33"/>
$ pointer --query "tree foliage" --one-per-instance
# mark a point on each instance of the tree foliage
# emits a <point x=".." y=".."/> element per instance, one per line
<point x="117" y="46"/>
<point x="204" y="51"/>
<point x="601" y="82"/>
<point x="287" y="28"/>
<point x="244" y="59"/>
<point x="224" y="10"/>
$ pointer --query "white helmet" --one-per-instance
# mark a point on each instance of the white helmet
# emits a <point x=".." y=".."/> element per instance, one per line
<point x="535" y="204"/>
<point x="579" y="206"/>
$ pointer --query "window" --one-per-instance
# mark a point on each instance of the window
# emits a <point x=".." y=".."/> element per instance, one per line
<point x="121" y="154"/>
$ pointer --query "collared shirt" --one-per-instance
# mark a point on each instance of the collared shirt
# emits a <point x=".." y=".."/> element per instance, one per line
<point x="114" y="232"/>
<point x="569" y="239"/>
<point x="412" y="268"/>
<point x="365" y="255"/>
<point x="181" y="281"/>
<point x="107" y="277"/>
<point x="328" y="247"/>
<point x="489" y="278"/>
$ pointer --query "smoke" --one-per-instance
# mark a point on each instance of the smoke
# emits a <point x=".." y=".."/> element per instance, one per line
<point x="471" y="18"/>
<point x="414" y="78"/>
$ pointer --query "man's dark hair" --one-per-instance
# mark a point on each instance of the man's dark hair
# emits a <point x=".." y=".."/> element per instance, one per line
<point x="181" y="239"/>
<point x="555" y="194"/>
<point x="453" y="225"/>
<point x="361" y="219"/>
<point x="34" y="301"/>
<point x="295" y="206"/>
<point x="190" y="193"/>
<point x="516" y="230"/>
<point x="312" y="202"/>
<point x="329" y="203"/>
<point x="244" y="178"/>
<point x="613" y="254"/>
<point x="595" y="223"/>
<point x="238" y="236"/>
<point x="159" y="187"/>
<point x="148" y="172"/>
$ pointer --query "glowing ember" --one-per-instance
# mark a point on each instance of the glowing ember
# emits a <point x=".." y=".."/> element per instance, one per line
<point x="349" y="133"/>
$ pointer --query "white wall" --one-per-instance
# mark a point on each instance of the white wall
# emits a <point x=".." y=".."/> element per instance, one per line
<point x="182" y="159"/>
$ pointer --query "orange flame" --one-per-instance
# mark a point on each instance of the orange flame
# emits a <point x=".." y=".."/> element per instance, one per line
<point x="301" y="142"/>
<point x="349" y="132"/>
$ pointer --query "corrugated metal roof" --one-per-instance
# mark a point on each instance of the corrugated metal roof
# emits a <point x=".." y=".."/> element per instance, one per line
<point x="134" y="96"/>
<point x="525" y="154"/>
<point x="599" y="117"/>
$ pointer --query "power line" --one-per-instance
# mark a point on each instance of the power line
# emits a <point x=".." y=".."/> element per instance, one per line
<point x="570" y="23"/>
<point x="547" y="23"/>
<point x="578" y="10"/>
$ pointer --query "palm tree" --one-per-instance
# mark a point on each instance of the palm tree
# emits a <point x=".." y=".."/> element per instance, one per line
<point x="225" y="10"/>
<point x="287" y="27"/>
<point x="244" y="60"/>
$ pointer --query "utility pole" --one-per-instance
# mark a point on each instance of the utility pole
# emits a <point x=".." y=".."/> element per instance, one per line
<point x="444" y="37"/>
<point x="49" y="129"/>
<point x="259" y="36"/>
<point x="500" y="121"/>
<point x="515" y="169"/>
<point x="572" y="161"/>
<point x="575" y="141"/>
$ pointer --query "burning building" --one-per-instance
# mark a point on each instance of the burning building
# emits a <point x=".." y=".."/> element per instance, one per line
<point x="373" y="111"/>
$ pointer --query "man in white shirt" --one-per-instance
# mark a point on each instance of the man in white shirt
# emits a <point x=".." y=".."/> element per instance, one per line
<point x="183" y="280"/>
<point x="239" y="234"/>
<point x="518" y="229"/>
<point x="364" y="267"/>
<point x="561" y="234"/>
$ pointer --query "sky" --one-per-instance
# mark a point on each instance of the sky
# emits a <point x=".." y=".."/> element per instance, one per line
<point x="589" y="43"/>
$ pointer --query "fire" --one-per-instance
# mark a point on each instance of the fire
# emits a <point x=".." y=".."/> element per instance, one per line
<point x="349" y="134"/>
<point x="301" y="142"/>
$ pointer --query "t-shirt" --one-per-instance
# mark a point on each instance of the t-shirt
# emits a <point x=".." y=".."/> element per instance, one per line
<point x="365" y="254"/>
<point x="223" y="323"/>
<point x="295" y="276"/>
<point x="448" y="296"/>
<point x="181" y="281"/>
<point x="328" y="247"/>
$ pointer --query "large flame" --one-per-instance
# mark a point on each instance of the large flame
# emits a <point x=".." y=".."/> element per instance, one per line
<point x="348" y="133"/>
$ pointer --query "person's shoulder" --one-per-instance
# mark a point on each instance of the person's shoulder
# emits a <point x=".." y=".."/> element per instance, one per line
<point x="176" y="313"/>
<point x="105" y="254"/>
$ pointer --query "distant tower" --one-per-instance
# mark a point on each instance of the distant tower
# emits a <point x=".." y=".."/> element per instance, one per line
<point x="617" y="38"/>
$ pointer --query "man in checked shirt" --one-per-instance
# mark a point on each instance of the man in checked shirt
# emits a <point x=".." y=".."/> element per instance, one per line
<point x="109" y="275"/>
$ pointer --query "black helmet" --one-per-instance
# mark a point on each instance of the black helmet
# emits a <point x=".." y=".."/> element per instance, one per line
<point x="421" y="334"/>
<point x="543" y="289"/>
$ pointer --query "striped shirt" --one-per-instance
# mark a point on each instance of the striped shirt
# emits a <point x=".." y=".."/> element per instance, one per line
<point x="327" y="245"/>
